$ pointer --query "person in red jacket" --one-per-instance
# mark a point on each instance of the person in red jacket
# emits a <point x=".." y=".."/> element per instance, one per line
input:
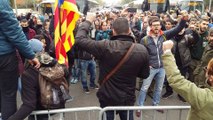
<point x="29" y="33"/>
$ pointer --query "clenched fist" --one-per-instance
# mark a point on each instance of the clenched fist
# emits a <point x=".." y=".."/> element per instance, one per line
<point x="167" y="46"/>
<point x="90" y="17"/>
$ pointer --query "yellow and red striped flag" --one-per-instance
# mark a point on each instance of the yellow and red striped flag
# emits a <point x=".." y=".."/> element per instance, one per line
<point x="66" y="16"/>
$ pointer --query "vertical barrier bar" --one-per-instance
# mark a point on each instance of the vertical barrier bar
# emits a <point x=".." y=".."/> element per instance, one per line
<point x="128" y="115"/>
<point x="141" y="115"/>
<point x="61" y="116"/>
<point x="166" y="114"/>
<point x="180" y="114"/>
<point x="154" y="115"/>
<point x="114" y="114"/>
<point x="89" y="114"/>
<point x="35" y="116"/>
<point x="104" y="116"/>
<point x="49" y="116"/>
<point x="76" y="116"/>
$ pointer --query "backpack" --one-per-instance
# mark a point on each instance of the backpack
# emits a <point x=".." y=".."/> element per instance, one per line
<point x="146" y="42"/>
<point x="53" y="87"/>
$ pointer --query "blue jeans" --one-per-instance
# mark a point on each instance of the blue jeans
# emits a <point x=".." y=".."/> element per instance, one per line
<point x="76" y="69"/>
<point x="158" y="75"/>
<point x="89" y="65"/>
<point x="19" y="84"/>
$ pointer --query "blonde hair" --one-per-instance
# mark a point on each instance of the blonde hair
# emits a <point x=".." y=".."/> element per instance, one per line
<point x="210" y="67"/>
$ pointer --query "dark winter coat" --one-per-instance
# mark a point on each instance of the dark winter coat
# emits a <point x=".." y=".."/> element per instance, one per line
<point x="120" y="88"/>
<point x="155" y="50"/>
<point x="181" y="42"/>
<point x="199" y="73"/>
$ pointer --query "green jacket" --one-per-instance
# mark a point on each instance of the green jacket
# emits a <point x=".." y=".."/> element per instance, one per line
<point x="198" y="48"/>
<point x="199" y="73"/>
<point x="201" y="100"/>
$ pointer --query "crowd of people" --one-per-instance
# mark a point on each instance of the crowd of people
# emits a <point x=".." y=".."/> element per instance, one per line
<point x="173" y="49"/>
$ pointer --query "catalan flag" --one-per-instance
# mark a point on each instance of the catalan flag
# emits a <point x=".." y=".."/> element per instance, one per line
<point x="66" y="15"/>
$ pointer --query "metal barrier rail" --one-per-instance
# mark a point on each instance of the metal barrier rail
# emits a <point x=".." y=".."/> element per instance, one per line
<point x="66" y="110"/>
<point x="143" y="108"/>
<point x="102" y="111"/>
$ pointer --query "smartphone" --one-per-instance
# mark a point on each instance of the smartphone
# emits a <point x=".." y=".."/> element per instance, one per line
<point x="132" y="10"/>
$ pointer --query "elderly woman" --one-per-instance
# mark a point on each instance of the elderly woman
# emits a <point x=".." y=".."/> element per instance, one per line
<point x="201" y="100"/>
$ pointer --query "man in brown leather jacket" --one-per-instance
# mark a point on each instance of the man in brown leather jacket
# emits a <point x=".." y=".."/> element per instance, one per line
<point x="119" y="89"/>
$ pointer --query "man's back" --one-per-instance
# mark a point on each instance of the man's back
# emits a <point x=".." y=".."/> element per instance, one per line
<point x="120" y="88"/>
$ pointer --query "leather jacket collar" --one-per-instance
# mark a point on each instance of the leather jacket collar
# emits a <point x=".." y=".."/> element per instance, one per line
<point x="123" y="38"/>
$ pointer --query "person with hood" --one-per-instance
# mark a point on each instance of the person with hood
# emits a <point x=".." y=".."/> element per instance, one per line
<point x="30" y="93"/>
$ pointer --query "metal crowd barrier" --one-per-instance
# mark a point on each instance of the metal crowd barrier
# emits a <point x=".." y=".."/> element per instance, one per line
<point x="61" y="114"/>
<point x="154" y="114"/>
<point x="97" y="113"/>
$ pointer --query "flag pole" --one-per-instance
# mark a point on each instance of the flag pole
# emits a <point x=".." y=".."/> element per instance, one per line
<point x="59" y="10"/>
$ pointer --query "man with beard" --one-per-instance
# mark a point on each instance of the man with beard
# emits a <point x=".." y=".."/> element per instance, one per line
<point x="199" y="73"/>
<point x="153" y="42"/>
<point x="29" y="33"/>
<point x="200" y="42"/>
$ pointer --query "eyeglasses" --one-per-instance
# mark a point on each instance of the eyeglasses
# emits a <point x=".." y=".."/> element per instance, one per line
<point x="156" y="25"/>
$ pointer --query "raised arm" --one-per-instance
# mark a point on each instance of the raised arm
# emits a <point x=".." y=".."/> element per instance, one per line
<point x="195" y="96"/>
<point x="174" y="31"/>
<point x="83" y="41"/>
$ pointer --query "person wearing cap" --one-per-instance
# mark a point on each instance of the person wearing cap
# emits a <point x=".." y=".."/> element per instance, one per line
<point x="201" y="100"/>
<point x="11" y="38"/>
<point x="30" y="92"/>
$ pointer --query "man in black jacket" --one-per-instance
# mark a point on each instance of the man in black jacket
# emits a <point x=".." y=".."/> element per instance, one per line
<point x="119" y="89"/>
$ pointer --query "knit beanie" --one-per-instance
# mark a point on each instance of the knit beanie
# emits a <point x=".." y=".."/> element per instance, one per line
<point x="36" y="45"/>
